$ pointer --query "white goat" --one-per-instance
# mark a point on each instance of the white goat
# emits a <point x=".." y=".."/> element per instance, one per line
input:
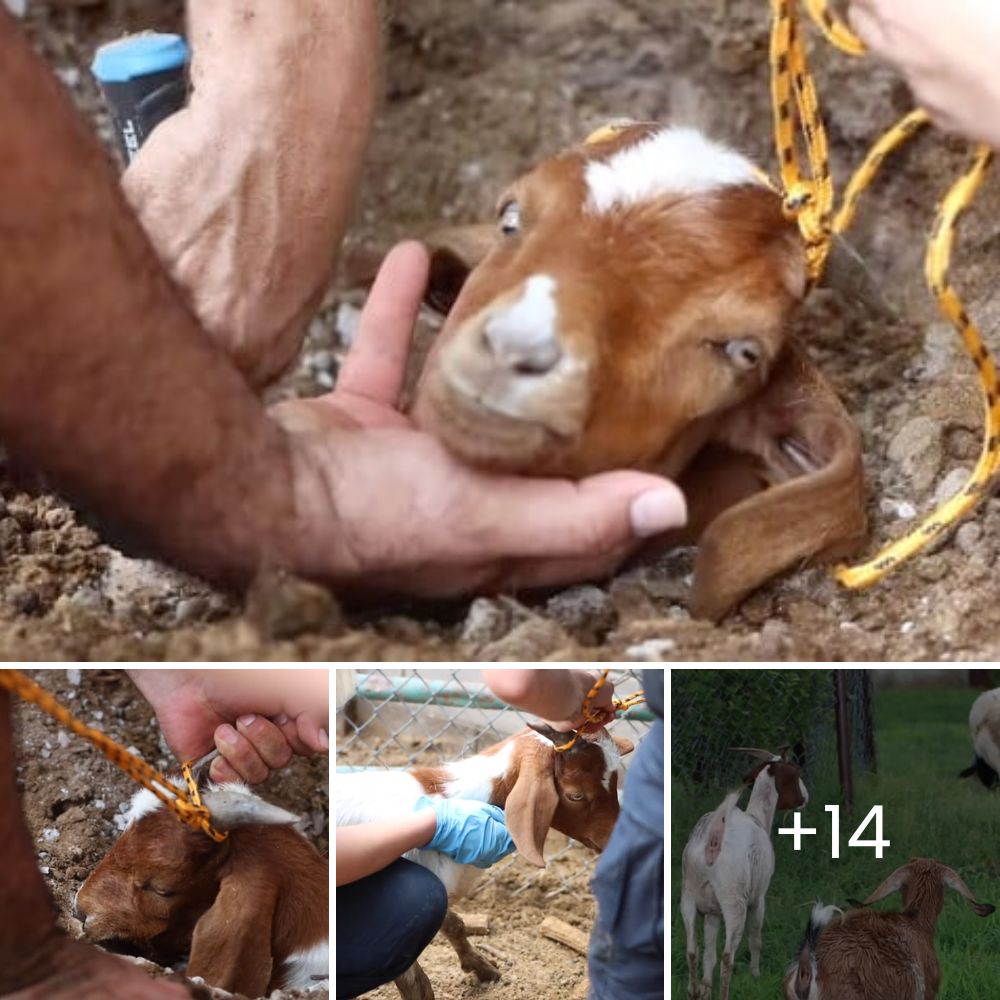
<point x="727" y="866"/>
<point x="984" y="722"/>
<point x="866" y="955"/>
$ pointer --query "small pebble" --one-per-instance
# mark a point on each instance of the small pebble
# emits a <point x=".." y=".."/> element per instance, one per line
<point x="650" y="650"/>
<point x="49" y="834"/>
<point x="906" y="628"/>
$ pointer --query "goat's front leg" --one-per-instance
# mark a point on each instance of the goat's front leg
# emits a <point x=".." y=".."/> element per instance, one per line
<point x="689" y="913"/>
<point x="414" y="984"/>
<point x="736" y="918"/>
<point x="472" y="961"/>
<point x="712" y="921"/>
<point x="755" y="925"/>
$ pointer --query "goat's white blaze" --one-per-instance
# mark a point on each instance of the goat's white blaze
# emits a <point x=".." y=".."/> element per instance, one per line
<point x="143" y="803"/>
<point x="302" y="967"/>
<point x="526" y="330"/>
<point x="672" y="161"/>
<point x="612" y="762"/>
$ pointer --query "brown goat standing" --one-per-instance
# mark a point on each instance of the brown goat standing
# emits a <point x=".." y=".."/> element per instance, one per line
<point x="868" y="955"/>
<point x="631" y="309"/>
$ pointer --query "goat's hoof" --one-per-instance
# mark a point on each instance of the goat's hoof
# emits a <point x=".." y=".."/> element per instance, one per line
<point x="481" y="967"/>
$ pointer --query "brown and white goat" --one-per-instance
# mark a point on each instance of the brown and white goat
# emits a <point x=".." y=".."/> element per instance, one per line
<point x="574" y="792"/>
<point x="251" y="912"/>
<point x="866" y="955"/>
<point x="631" y="309"/>
<point x="727" y="867"/>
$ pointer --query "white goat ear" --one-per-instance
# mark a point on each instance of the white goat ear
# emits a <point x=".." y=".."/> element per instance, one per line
<point x="235" y="805"/>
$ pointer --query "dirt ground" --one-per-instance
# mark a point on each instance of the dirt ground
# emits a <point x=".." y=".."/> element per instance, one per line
<point x="530" y="965"/>
<point x="477" y="90"/>
<point x="74" y="799"/>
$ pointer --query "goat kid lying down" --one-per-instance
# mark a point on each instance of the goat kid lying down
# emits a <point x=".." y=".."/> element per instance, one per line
<point x="249" y="913"/>
<point x="630" y="309"/>
<point x="984" y="724"/>
<point x="574" y="792"/>
<point x="870" y="955"/>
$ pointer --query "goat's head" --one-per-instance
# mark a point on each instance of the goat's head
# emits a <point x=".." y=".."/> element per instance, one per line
<point x="573" y="791"/>
<point x="634" y="288"/>
<point x="922" y="882"/>
<point x="630" y="309"/>
<point x="164" y="885"/>
<point x="786" y="775"/>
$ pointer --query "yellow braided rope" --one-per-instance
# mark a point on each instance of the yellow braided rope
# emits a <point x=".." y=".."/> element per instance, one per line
<point x="620" y="705"/>
<point x="810" y="201"/>
<point x="186" y="806"/>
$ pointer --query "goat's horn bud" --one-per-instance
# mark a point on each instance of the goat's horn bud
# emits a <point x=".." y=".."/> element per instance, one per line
<point x="847" y="272"/>
<point x="552" y="735"/>
<point x="235" y="805"/>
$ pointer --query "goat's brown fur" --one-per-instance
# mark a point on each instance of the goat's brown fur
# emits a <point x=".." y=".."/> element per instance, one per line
<point x="239" y="908"/>
<point x="646" y="294"/>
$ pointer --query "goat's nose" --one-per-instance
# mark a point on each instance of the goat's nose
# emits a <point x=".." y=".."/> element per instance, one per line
<point x="522" y="334"/>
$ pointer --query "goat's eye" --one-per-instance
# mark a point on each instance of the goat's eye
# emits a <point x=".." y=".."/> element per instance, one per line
<point x="510" y="218"/>
<point x="745" y="353"/>
<point x="164" y="893"/>
<point x="575" y="796"/>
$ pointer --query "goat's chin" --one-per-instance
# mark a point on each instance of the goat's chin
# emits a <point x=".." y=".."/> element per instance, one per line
<point x="483" y="436"/>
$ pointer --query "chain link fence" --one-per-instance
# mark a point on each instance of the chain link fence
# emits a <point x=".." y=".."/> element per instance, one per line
<point x="401" y="718"/>
<point x="713" y="711"/>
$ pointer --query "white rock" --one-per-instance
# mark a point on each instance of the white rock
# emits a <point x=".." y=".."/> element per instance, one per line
<point x="98" y="803"/>
<point x="73" y="675"/>
<point x="49" y="834"/>
<point x="650" y="650"/>
<point x="347" y="321"/>
<point x="906" y="628"/>
<point x="951" y="484"/>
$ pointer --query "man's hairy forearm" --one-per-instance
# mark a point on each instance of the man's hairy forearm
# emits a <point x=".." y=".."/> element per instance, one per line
<point x="550" y="693"/>
<point x="106" y="380"/>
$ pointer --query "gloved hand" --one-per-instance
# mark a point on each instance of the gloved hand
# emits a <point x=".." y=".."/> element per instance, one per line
<point x="472" y="833"/>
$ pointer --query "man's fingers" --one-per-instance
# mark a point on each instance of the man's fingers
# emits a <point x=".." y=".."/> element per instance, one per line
<point x="241" y="755"/>
<point x="559" y="519"/>
<point x="267" y="739"/>
<point x="376" y="364"/>
<point x="312" y="734"/>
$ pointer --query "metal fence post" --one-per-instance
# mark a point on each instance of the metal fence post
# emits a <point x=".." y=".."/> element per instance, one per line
<point x="843" y="740"/>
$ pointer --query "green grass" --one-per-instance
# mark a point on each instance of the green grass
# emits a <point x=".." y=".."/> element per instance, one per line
<point x="923" y="742"/>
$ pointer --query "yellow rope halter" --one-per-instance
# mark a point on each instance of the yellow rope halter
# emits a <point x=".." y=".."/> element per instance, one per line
<point x="810" y="201"/>
<point x="185" y="805"/>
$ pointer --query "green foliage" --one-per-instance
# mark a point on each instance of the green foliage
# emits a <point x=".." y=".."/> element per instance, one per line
<point x="714" y="710"/>
<point x="923" y="742"/>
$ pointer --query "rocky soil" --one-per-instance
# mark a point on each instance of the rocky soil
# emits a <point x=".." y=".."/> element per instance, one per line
<point x="475" y="92"/>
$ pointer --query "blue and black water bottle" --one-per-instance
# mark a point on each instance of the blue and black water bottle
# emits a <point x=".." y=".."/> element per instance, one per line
<point x="144" y="80"/>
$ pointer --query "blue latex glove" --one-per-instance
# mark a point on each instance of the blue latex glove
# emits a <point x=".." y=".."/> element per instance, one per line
<point x="472" y="833"/>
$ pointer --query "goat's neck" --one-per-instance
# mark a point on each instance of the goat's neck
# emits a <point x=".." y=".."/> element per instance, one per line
<point x="763" y="801"/>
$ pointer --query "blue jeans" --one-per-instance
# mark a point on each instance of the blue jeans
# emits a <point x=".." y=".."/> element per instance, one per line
<point x="626" y="946"/>
<point x="384" y="922"/>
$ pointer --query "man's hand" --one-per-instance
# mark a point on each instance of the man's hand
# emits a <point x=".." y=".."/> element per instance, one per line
<point x="386" y="507"/>
<point x="256" y="722"/>
<point x="246" y="192"/>
<point x="946" y="51"/>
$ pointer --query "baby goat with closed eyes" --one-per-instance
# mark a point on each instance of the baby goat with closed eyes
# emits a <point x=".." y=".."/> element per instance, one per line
<point x="249" y="913"/>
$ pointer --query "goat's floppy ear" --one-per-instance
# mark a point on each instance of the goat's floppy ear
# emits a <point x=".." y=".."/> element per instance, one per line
<point x="231" y="946"/>
<point x="782" y="484"/>
<point x="454" y="253"/>
<point x="894" y="883"/>
<point x="532" y="802"/>
<point x="953" y="881"/>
